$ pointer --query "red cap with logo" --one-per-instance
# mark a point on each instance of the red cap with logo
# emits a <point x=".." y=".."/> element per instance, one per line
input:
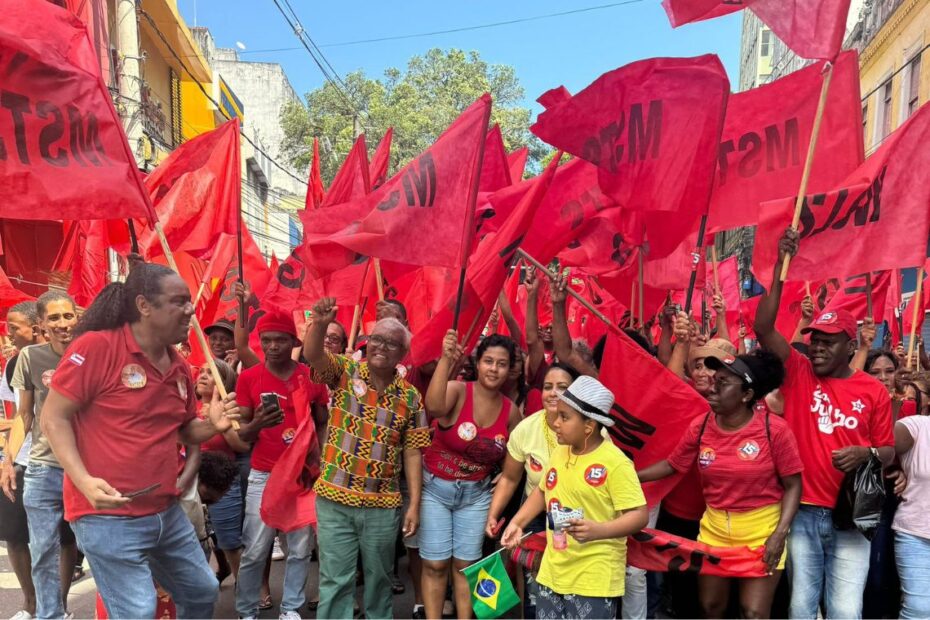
<point x="834" y="322"/>
<point x="276" y="321"/>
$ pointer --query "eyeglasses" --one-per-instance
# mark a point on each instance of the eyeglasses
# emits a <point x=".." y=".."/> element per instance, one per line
<point x="380" y="341"/>
<point x="333" y="338"/>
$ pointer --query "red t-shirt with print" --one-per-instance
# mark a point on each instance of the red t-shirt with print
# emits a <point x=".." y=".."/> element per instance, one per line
<point x="827" y="414"/>
<point x="740" y="470"/>
<point x="272" y="441"/>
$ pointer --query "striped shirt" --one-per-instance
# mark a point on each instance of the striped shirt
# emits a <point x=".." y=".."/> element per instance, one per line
<point x="366" y="435"/>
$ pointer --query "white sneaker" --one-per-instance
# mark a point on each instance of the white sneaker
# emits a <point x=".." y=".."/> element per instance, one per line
<point x="22" y="615"/>
<point x="69" y="615"/>
<point x="289" y="615"/>
<point x="276" y="552"/>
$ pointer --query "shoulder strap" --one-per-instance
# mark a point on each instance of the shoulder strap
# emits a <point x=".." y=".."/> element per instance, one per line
<point x="703" y="426"/>
<point x="768" y="428"/>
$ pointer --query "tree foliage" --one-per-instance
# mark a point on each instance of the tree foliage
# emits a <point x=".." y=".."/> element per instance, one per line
<point x="419" y="102"/>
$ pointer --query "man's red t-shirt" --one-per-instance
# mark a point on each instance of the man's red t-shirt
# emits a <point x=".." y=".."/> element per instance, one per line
<point x="827" y="414"/>
<point x="272" y="441"/>
<point x="127" y="425"/>
<point x="740" y="470"/>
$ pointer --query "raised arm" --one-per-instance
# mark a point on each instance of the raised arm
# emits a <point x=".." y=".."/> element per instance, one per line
<point x="324" y="313"/>
<point x="719" y="305"/>
<point x="667" y="325"/>
<point x="768" y="308"/>
<point x="241" y="330"/>
<point x="866" y="338"/>
<point x="561" y="338"/>
<point x="534" y="344"/>
<point x="443" y="395"/>
<point x="807" y="316"/>
<point x="683" y="328"/>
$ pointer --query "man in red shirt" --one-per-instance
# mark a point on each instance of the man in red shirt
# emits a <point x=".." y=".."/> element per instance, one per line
<point x="119" y="402"/>
<point x="840" y="417"/>
<point x="272" y="429"/>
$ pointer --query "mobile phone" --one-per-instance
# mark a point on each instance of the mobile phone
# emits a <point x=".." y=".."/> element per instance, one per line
<point x="147" y="489"/>
<point x="270" y="401"/>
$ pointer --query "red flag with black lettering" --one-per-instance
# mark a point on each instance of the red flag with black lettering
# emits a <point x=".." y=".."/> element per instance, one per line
<point x="380" y="161"/>
<point x="765" y="138"/>
<point x="315" y="186"/>
<point x="63" y="153"/>
<point x="351" y="181"/>
<point x="662" y="552"/>
<point x="420" y="215"/>
<point x="652" y="127"/>
<point x="851" y="296"/>
<point x="648" y="423"/>
<point x="196" y="192"/>
<point x="876" y="219"/>
<point x="810" y="28"/>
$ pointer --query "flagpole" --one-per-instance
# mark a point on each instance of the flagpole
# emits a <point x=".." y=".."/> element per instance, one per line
<point x="198" y="330"/>
<point x="243" y="308"/>
<point x="133" y="238"/>
<point x="478" y="561"/>
<point x="705" y="325"/>
<point x="642" y="318"/>
<point x="868" y="295"/>
<point x="809" y="162"/>
<point x="695" y="260"/>
<point x="379" y="278"/>
<point x="357" y="313"/>
<point x="469" y="232"/>
<point x="918" y="296"/>
<point x="584" y="302"/>
<point x="632" y="304"/>
<point x="713" y="262"/>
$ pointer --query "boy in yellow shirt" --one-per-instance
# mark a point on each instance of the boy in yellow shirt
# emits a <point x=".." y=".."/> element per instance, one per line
<point x="593" y="501"/>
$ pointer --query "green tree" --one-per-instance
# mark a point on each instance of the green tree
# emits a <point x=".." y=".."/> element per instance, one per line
<point x="419" y="103"/>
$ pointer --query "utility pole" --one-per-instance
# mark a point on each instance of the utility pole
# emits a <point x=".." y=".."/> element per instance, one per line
<point x="130" y="74"/>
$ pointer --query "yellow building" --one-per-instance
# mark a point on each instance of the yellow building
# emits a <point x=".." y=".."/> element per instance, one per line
<point x="894" y="70"/>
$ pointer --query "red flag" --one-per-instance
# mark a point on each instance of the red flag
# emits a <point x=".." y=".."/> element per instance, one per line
<point x="554" y="97"/>
<point x="849" y="230"/>
<point x="89" y="264"/>
<point x="273" y="263"/>
<point x="658" y="551"/>
<point x="423" y="292"/>
<point x="765" y="138"/>
<point x="892" y="308"/>
<point x="315" y="185"/>
<point x="789" y="311"/>
<point x="288" y="501"/>
<point x="420" y="215"/>
<point x="63" y="151"/>
<point x="516" y="161"/>
<point x="31" y="249"/>
<point x="9" y="294"/>
<point x="94" y="15"/>
<point x="495" y="168"/>
<point x="351" y="181"/>
<point x="652" y="127"/>
<point x="485" y="276"/>
<point x="605" y="244"/>
<point x="378" y="173"/>
<point x="810" y="28"/>
<point x="648" y="423"/>
<point x="197" y="193"/>
<point x="257" y="274"/>
<point x="852" y="295"/>
<point x="923" y="300"/>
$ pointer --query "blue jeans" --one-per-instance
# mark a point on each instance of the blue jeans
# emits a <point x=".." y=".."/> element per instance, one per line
<point x="45" y="512"/>
<point x="824" y="560"/>
<point x="912" y="555"/>
<point x="226" y="517"/>
<point x="258" y="538"/>
<point x="127" y="553"/>
<point x="453" y="514"/>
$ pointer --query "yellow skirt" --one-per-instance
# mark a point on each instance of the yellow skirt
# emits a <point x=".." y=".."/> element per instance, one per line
<point x="722" y="528"/>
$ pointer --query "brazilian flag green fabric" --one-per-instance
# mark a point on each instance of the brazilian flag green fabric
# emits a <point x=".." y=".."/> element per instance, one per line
<point x="492" y="594"/>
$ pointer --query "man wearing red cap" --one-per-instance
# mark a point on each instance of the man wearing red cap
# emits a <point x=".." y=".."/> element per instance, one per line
<point x="840" y="417"/>
<point x="265" y="394"/>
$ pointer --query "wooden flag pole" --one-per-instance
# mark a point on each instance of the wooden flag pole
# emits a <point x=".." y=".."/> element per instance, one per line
<point x="695" y="261"/>
<point x="807" y="287"/>
<point x="713" y="263"/>
<point x="868" y="295"/>
<point x="357" y="313"/>
<point x="919" y="296"/>
<point x="198" y="330"/>
<point x="642" y="318"/>
<point x="379" y="278"/>
<point x="133" y="238"/>
<point x="584" y="302"/>
<point x="809" y="162"/>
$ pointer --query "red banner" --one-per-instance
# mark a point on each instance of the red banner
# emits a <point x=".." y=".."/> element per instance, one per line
<point x="378" y="171"/>
<point x="63" y="153"/>
<point x="351" y="181"/>
<point x="666" y="553"/>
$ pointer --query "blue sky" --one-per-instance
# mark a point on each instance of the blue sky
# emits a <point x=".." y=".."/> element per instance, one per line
<point x="571" y="50"/>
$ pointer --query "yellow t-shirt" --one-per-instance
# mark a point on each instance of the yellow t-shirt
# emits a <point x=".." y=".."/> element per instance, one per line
<point x="531" y="443"/>
<point x="600" y="483"/>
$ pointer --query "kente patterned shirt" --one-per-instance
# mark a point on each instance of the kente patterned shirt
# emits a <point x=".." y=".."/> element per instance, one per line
<point x="366" y="435"/>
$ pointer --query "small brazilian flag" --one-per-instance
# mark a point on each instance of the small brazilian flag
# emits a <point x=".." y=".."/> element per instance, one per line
<point x="492" y="594"/>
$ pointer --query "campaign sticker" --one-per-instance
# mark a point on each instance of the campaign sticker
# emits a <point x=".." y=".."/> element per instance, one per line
<point x="133" y="376"/>
<point x="749" y="451"/>
<point x="706" y="456"/>
<point x="595" y="475"/>
<point x="552" y="478"/>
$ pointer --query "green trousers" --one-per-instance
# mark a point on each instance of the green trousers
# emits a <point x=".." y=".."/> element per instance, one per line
<point x="342" y="533"/>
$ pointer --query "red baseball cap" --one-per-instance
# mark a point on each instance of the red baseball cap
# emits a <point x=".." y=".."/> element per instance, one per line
<point x="275" y="321"/>
<point x="834" y="322"/>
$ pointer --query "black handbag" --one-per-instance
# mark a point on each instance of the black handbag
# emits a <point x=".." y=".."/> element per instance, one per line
<point x="861" y="499"/>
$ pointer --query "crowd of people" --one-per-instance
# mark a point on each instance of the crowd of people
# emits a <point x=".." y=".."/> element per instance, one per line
<point x="132" y="458"/>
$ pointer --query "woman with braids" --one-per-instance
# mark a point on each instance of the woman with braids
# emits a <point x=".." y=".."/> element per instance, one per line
<point x="472" y="422"/>
<point x="119" y="402"/>
<point x="750" y="472"/>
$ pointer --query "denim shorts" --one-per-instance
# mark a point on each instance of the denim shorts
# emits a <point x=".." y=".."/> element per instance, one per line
<point x="226" y="517"/>
<point x="452" y="518"/>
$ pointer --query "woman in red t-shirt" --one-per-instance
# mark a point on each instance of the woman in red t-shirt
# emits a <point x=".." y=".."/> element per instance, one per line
<point x="471" y="424"/>
<point x="750" y="474"/>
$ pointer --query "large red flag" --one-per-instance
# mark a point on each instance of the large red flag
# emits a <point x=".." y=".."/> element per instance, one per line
<point x="648" y="423"/>
<point x="197" y="193"/>
<point x="662" y="552"/>
<point x="315" y="185"/>
<point x="516" y="161"/>
<point x="421" y="214"/>
<point x="495" y="169"/>
<point x="89" y="261"/>
<point x="652" y="127"/>
<point x="94" y="15"/>
<point x="877" y="219"/>
<point x="222" y="304"/>
<point x="485" y="276"/>
<point x="378" y="172"/>
<point x="810" y="28"/>
<point x="765" y="138"/>
<point x="63" y="153"/>
<point x="9" y="294"/>
<point x="351" y="181"/>
<point x="605" y="244"/>
<point x="923" y="302"/>
<point x="892" y="310"/>
<point x="851" y="296"/>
